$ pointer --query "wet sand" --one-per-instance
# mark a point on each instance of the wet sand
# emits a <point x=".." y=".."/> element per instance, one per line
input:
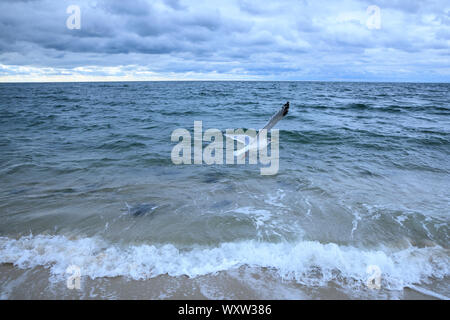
<point x="243" y="283"/>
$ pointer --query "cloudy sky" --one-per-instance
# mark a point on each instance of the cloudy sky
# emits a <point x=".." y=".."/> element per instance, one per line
<point x="226" y="40"/>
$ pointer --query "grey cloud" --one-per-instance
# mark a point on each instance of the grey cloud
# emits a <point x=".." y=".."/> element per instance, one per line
<point x="285" y="39"/>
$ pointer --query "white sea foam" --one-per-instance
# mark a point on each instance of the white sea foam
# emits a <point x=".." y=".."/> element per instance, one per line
<point x="306" y="262"/>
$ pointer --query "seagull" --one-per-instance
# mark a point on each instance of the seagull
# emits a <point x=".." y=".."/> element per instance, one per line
<point x="251" y="143"/>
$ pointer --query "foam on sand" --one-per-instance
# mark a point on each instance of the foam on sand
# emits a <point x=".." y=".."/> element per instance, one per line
<point x="306" y="262"/>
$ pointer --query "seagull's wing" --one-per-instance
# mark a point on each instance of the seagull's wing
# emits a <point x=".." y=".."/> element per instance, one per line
<point x="241" y="138"/>
<point x="277" y="117"/>
<point x="249" y="147"/>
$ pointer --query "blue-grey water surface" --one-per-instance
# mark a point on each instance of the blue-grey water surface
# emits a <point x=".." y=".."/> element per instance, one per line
<point x="86" y="178"/>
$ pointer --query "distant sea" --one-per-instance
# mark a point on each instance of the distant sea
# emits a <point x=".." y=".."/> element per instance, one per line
<point x="362" y="192"/>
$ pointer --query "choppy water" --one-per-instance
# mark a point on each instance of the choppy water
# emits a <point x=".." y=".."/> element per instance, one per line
<point x="363" y="180"/>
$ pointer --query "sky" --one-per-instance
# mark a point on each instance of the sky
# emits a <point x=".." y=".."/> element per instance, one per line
<point x="117" y="40"/>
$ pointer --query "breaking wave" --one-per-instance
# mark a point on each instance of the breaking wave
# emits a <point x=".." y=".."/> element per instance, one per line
<point x="305" y="262"/>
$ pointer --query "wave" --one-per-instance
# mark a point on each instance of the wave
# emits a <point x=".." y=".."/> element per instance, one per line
<point x="389" y="108"/>
<point x="306" y="262"/>
<point x="365" y="138"/>
<point x="121" y="145"/>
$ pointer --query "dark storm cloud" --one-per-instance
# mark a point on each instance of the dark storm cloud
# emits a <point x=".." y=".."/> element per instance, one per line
<point x="236" y="39"/>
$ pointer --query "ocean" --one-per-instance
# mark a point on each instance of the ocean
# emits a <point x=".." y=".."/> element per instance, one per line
<point x="359" y="208"/>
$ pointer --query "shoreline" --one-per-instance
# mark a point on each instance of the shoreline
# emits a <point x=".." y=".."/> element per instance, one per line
<point x="244" y="283"/>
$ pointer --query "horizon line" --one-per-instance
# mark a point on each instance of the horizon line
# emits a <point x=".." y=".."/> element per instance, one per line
<point x="219" y="80"/>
